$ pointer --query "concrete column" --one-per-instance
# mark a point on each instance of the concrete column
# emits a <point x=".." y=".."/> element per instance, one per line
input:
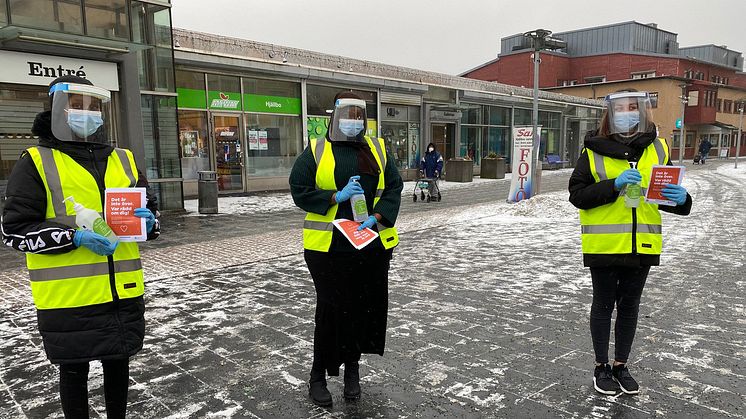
<point x="131" y="135"/>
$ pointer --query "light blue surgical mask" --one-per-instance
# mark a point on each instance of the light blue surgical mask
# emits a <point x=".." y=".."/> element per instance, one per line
<point x="625" y="121"/>
<point x="351" y="127"/>
<point x="84" y="123"/>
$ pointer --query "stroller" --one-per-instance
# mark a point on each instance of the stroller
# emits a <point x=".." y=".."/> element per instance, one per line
<point x="428" y="188"/>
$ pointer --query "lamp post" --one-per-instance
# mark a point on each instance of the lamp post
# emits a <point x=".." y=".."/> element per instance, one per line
<point x="682" y="138"/>
<point x="741" y="105"/>
<point x="540" y="40"/>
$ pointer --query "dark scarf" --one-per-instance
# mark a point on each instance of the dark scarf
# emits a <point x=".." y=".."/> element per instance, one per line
<point x="366" y="162"/>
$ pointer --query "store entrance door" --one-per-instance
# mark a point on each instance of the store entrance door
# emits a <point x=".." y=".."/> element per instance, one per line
<point x="227" y="138"/>
<point x="444" y="138"/>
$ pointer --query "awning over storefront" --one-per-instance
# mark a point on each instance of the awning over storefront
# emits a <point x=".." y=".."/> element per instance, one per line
<point x="20" y="37"/>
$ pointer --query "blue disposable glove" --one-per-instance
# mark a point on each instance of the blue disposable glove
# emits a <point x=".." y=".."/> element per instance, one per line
<point x="148" y="216"/>
<point x="352" y="188"/>
<point x="94" y="242"/>
<point x="370" y="222"/>
<point x="628" y="177"/>
<point x="675" y="193"/>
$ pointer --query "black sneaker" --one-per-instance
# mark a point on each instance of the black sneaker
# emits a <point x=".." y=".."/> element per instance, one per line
<point x="603" y="381"/>
<point x="624" y="378"/>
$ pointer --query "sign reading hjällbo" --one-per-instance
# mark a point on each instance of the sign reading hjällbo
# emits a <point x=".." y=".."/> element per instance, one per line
<point x="522" y="183"/>
<point x="40" y="70"/>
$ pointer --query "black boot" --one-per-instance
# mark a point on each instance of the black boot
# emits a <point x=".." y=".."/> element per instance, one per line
<point x="352" y="381"/>
<point x="317" y="389"/>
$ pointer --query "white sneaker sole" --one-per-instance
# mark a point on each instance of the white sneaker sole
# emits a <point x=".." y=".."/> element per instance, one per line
<point x="606" y="392"/>
<point x="624" y="390"/>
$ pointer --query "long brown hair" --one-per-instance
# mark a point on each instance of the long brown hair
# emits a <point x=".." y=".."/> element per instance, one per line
<point x="603" y="130"/>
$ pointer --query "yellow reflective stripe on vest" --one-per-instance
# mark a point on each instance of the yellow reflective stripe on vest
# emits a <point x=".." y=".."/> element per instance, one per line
<point x="608" y="229"/>
<point x="80" y="277"/>
<point x="318" y="229"/>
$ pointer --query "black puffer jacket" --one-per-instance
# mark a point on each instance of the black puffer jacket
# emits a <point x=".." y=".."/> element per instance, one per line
<point x="104" y="331"/>
<point x="586" y="193"/>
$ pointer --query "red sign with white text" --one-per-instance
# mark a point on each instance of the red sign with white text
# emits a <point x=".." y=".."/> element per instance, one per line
<point x="349" y="229"/>
<point x="120" y="213"/>
<point x="659" y="178"/>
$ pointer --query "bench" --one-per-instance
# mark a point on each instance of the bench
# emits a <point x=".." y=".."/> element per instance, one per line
<point x="555" y="162"/>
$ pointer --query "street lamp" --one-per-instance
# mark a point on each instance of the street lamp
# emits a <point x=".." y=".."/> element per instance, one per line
<point x="541" y="39"/>
<point x="741" y="105"/>
<point x="682" y="139"/>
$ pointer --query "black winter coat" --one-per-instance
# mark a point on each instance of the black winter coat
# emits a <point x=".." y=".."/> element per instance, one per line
<point x="104" y="331"/>
<point x="586" y="193"/>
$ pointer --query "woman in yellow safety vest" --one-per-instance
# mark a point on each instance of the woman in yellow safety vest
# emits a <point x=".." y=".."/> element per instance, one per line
<point x="621" y="232"/>
<point x="351" y="285"/>
<point x="87" y="289"/>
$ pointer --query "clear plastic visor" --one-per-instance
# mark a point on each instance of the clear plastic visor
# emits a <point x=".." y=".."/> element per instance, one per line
<point x="79" y="112"/>
<point x="628" y="113"/>
<point x="348" y="120"/>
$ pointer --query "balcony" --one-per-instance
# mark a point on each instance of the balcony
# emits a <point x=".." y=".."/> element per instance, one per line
<point x="700" y="114"/>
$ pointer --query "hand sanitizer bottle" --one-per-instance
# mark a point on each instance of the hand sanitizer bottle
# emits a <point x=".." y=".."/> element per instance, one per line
<point x="359" y="207"/>
<point x="632" y="193"/>
<point x="88" y="219"/>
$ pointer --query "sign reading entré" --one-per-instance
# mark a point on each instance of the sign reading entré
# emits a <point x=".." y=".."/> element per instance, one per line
<point x="40" y="70"/>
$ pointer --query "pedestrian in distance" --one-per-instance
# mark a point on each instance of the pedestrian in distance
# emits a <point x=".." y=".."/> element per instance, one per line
<point x="621" y="235"/>
<point x="87" y="289"/>
<point x="704" y="150"/>
<point x="351" y="285"/>
<point x="431" y="166"/>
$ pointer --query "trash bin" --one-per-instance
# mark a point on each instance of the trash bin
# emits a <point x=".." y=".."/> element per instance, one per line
<point x="207" y="191"/>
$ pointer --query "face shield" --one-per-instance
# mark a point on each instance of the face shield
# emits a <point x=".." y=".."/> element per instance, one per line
<point x="78" y="111"/>
<point x="348" y="120"/>
<point x="628" y="113"/>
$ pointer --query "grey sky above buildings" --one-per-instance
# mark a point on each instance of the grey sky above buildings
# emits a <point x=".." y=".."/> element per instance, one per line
<point x="447" y="36"/>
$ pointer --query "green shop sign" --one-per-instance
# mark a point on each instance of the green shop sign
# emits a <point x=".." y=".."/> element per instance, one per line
<point x="227" y="101"/>
<point x="272" y="104"/>
<point x="191" y="98"/>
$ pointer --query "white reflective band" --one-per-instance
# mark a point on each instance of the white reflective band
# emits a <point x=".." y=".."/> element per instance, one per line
<point x="318" y="225"/>
<point x="620" y="228"/>
<point x="626" y="94"/>
<point x="82" y="271"/>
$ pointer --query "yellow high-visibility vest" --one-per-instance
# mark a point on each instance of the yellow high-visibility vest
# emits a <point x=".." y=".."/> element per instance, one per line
<point x="613" y="228"/>
<point x="80" y="277"/>
<point x="318" y="229"/>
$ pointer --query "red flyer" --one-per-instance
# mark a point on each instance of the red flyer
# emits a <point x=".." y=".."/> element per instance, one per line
<point x="358" y="239"/>
<point x="659" y="178"/>
<point x="119" y="213"/>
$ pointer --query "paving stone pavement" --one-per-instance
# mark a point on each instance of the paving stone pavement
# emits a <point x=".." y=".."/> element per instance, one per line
<point x="488" y="317"/>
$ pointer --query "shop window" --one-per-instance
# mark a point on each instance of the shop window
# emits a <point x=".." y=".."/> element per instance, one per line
<point x="272" y="96"/>
<point x="471" y="137"/>
<point x="193" y="143"/>
<point x="274" y="142"/>
<point x="473" y="114"/>
<point x="191" y="89"/>
<point x="161" y="143"/>
<point x="497" y="141"/>
<point x="223" y="92"/>
<point x="107" y="19"/>
<point x="499" y="116"/>
<point x="321" y="99"/>
<point x="549" y="119"/>
<point x="523" y="117"/>
<point x="53" y="15"/>
<point x="595" y="79"/>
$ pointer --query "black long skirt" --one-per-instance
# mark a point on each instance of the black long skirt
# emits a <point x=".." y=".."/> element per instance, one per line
<point x="351" y="305"/>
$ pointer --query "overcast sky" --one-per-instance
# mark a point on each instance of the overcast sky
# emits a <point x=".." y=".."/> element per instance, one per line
<point x="448" y="36"/>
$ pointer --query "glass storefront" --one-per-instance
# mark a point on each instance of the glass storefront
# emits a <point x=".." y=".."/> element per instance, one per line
<point x="274" y="142"/>
<point x="484" y="129"/>
<point x="194" y="143"/>
<point x="550" y="123"/>
<point x="161" y="142"/>
<point x="400" y="128"/>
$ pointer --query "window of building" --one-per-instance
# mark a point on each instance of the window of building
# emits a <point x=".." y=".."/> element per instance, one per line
<point x="693" y="98"/>
<point x="151" y="25"/>
<point x="162" y="149"/>
<point x="194" y="143"/>
<point x="573" y="82"/>
<point x="107" y="19"/>
<point x="725" y="80"/>
<point x="728" y="106"/>
<point x="223" y="92"/>
<point x="711" y="99"/>
<point x="719" y="105"/>
<point x="688" y="74"/>
<point x="400" y="128"/>
<point x="643" y="75"/>
<point x="276" y="155"/>
<point x="473" y="115"/>
<point x="595" y="79"/>
<point x="53" y="15"/>
<point x="653" y="99"/>
<point x="190" y="86"/>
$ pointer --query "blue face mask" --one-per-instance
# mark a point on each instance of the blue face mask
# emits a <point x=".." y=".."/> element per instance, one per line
<point x="351" y="127"/>
<point x="84" y="123"/>
<point x="625" y="121"/>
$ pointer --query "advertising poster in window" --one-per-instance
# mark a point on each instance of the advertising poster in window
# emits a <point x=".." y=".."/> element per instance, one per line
<point x="263" y="142"/>
<point x="189" y="143"/>
<point x="253" y="140"/>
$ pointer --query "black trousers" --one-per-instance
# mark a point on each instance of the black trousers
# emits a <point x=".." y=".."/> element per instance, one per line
<point x="620" y="286"/>
<point x="351" y="306"/>
<point x="74" y="388"/>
